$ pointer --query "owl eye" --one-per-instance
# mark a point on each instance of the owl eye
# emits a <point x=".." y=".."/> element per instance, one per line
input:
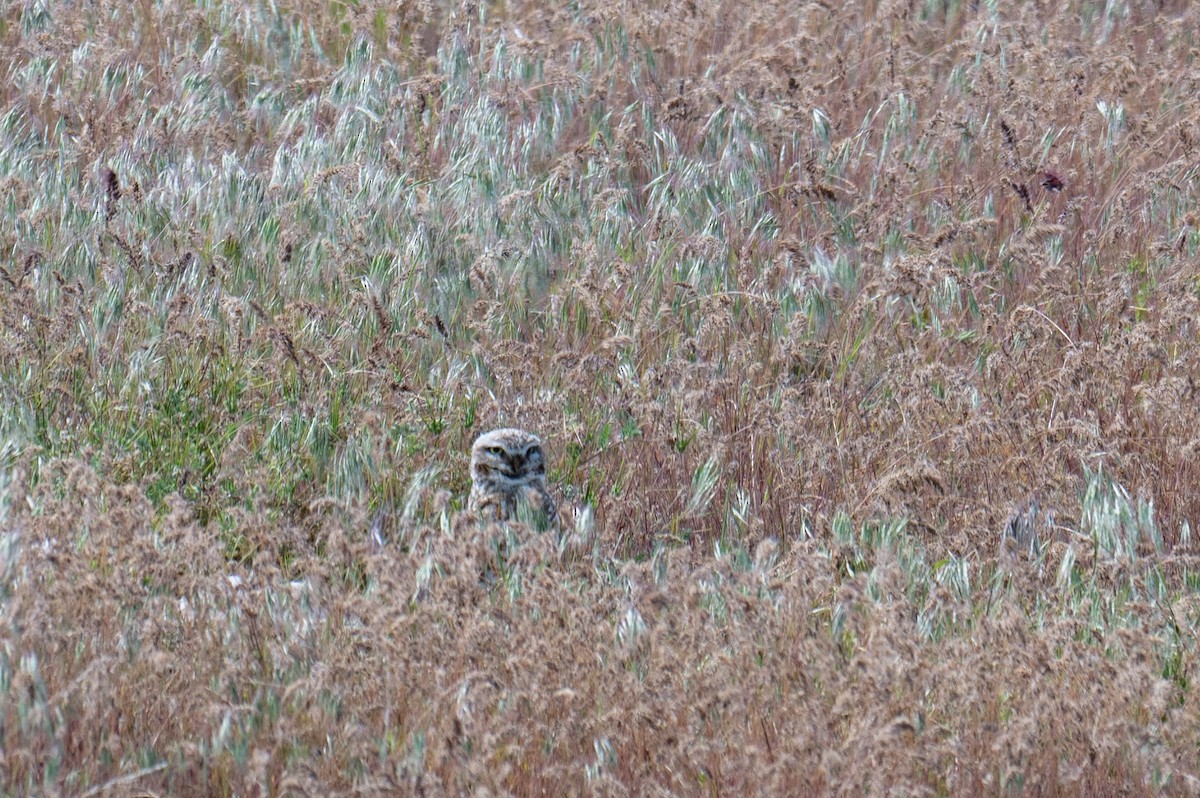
<point x="496" y="450"/>
<point x="533" y="452"/>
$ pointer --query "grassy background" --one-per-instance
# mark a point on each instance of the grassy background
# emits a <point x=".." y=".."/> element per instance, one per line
<point x="805" y="301"/>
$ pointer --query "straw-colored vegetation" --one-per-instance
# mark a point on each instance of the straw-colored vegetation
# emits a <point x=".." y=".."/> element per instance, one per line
<point x="805" y="299"/>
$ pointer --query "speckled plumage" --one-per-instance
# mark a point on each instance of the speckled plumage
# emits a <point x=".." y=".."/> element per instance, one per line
<point x="508" y="467"/>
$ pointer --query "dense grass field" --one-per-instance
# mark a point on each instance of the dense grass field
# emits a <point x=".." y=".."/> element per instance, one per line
<point x="863" y="340"/>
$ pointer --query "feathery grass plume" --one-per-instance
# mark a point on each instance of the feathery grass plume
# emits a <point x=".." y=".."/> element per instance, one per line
<point x="1025" y="530"/>
<point x="1117" y="524"/>
<point x="418" y="485"/>
<point x="704" y="485"/>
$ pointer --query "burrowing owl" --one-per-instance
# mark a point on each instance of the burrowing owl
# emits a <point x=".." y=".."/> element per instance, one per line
<point x="507" y="468"/>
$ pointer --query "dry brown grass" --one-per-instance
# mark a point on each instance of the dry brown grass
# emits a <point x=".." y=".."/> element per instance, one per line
<point x="679" y="675"/>
<point x="804" y="300"/>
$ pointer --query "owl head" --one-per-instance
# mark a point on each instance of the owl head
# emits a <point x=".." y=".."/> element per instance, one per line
<point x="507" y="459"/>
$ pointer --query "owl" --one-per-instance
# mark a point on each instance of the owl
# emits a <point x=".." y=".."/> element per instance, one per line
<point x="508" y="468"/>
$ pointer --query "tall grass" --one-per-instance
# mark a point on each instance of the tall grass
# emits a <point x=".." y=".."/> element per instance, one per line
<point x="811" y="306"/>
